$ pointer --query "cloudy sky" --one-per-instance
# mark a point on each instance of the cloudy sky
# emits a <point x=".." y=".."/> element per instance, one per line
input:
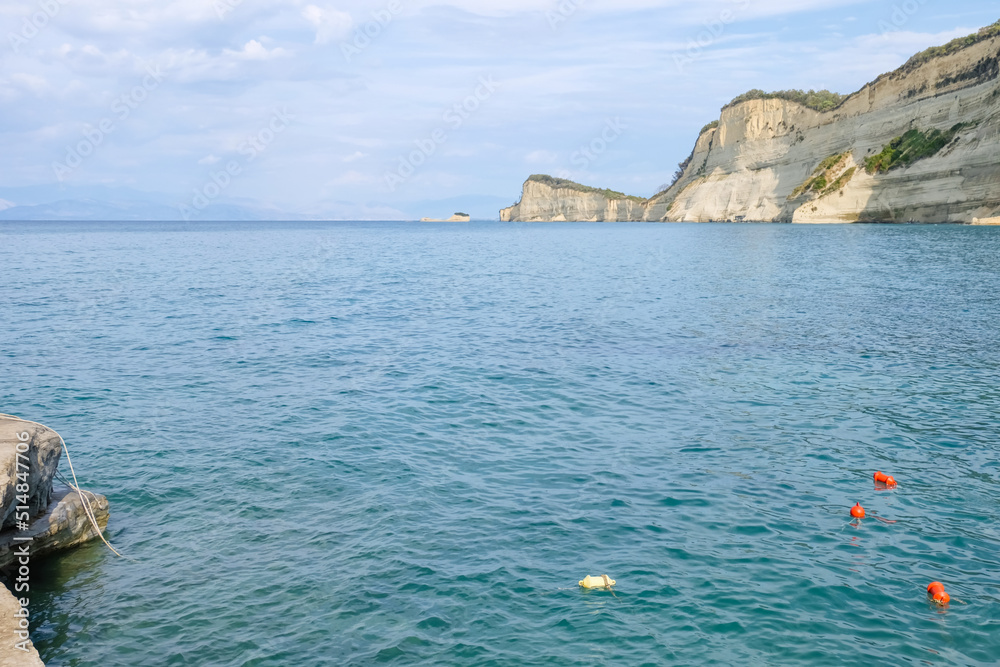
<point x="371" y="108"/>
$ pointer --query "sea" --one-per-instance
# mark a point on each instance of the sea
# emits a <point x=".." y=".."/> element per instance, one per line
<point x="365" y="443"/>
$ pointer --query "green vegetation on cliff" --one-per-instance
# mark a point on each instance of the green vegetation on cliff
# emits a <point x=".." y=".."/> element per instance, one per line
<point x="711" y="126"/>
<point x="825" y="100"/>
<point x="953" y="46"/>
<point x="565" y="184"/>
<point x="841" y="181"/>
<point x="911" y="146"/>
<point x="682" y="167"/>
<point x="820" y="179"/>
<point x="820" y="100"/>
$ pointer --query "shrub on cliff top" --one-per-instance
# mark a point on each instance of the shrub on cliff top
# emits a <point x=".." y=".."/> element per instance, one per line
<point x="711" y="126"/>
<point x="819" y="100"/>
<point x="953" y="46"/>
<point x="566" y="184"/>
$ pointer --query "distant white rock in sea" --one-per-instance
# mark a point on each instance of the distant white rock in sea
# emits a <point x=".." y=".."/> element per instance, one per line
<point x="458" y="217"/>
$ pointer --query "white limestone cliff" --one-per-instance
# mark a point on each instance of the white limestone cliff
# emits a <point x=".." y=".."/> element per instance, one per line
<point x="547" y="199"/>
<point x="758" y="163"/>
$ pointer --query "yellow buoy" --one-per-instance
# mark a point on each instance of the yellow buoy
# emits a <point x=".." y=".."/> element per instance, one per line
<point x="602" y="581"/>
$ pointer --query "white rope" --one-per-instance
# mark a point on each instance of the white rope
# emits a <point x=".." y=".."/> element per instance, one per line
<point x="76" y="486"/>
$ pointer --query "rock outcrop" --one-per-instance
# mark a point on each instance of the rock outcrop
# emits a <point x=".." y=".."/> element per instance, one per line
<point x="457" y="217"/>
<point x="63" y="526"/>
<point x="37" y="519"/>
<point x="548" y="199"/>
<point x="920" y="144"/>
<point x="38" y="464"/>
<point x="10" y="626"/>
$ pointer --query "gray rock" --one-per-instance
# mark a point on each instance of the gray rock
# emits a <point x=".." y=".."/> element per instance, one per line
<point x="56" y="518"/>
<point x="65" y="525"/>
<point x="44" y="450"/>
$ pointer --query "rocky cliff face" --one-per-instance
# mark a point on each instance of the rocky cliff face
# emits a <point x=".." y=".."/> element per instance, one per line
<point x="775" y="160"/>
<point x="547" y="199"/>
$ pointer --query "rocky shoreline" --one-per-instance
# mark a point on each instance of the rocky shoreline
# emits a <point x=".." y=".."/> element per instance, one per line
<point x="38" y="518"/>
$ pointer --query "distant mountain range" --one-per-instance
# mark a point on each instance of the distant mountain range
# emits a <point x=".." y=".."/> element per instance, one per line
<point x="61" y="202"/>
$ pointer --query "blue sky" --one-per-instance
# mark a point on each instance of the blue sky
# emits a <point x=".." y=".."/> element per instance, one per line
<point x="360" y="109"/>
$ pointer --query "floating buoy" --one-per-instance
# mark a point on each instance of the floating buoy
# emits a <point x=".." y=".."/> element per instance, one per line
<point x="935" y="591"/>
<point x="888" y="480"/>
<point x="602" y="581"/>
<point x="858" y="512"/>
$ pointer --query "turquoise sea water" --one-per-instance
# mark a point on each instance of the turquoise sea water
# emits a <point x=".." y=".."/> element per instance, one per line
<point x="361" y="443"/>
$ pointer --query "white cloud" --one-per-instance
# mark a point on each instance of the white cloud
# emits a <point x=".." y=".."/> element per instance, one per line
<point x="254" y="50"/>
<point x="907" y="42"/>
<point x="89" y="59"/>
<point x="223" y="76"/>
<point x="705" y="8"/>
<point x="4" y="204"/>
<point x="330" y="24"/>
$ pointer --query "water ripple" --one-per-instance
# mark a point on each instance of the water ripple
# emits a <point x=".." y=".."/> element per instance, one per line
<point x="359" y="444"/>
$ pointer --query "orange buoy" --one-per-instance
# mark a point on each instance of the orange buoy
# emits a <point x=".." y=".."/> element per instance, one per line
<point x="858" y="512"/>
<point x="935" y="591"/>
<point x="882" y="478"/>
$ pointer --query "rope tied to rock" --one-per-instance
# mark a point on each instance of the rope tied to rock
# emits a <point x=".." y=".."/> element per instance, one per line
<point x="75" y="485"/>
<point x="83" y="498"/>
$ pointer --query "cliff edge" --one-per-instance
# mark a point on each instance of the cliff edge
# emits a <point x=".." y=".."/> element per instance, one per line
<point x="920" y="144"/>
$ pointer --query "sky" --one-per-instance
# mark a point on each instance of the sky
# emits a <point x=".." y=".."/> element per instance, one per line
<point x="391" y="109"/>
